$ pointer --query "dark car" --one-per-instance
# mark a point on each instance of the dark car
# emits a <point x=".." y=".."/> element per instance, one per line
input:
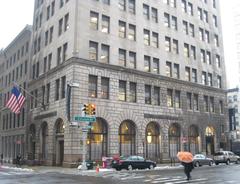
<point x="132" y="162"/>
<point x="200" y="159"/>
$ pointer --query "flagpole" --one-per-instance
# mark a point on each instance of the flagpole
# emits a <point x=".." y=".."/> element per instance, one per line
<point x="43" y="105"/>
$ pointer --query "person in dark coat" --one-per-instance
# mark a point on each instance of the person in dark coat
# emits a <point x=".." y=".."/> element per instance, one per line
<point x="18" y="160"/>
<point x="1" y="159"/>
<point x="188" y="167"/>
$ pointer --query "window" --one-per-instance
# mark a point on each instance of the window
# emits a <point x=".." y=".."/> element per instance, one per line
<point x="216" y="41"/>
<point x="155" y="15"/>
<point x="57" y="88"/>
<point x="146" y="11"/>
<point x="186" y="50"/>
<point x="59" y="55"/>
<point x="175" y="46"/>
<point x="205" y="102"/>
<point x="146" y="37"/>
<point x="176" y="71"/>
<point x="217" y="60"/>
<point x="48" y="12"/>
<point x="48" y="92"/>
<point x="147" y="94"/>
<point x="132" y="60"/>
<point x="93" y="51"/>
<point x="122" y="29"/>
<point x="46" y="38"/>
<point x="200" y="14"/>
<point x="53" y="7"/>
<point x="215" y="22"/>
<point x="26" y="66"/>
<point x="106" y="1"/>
<point x="49" y="61"/>
<point x="133" y="92"/>
<point x="190" y="8"/>
<point x="204" y="78"/>
<point x="212" y="104"/>
<point x="194" y="75"/>
<point x="195" y="102"/>
<point x="166" y="20"/>
<point x="104" y="88"/>
<point x="32" y="102"/>
<point x="60" y="25"/>
<point x="51" y="35"/>
<point x="202" y="54"/>
<point x="92" y="86"/>
<point x="205" y="16"/>
<point x="221" y="107"/>
<point x="66" y="22"/>
<point x="209" y="79"/>
<point x="187" y="74"/>
<point x="44" y="64"/>
<point x="191" y="30"/>
<point x="122" y="91"/>
<point x="122" y="57"/>
<point x="147" y="61"/>
<point x="155" y="68"/>
<point x="122" y="4"/>
<point x="185" y="27"/>
<point x="61" y="4"/>
<point x="193" y="52"/>
<point x="105" y="24"/>
<point x="207" y="39"/>
<point x="189" y="101"/>
<point x="219" y="81"/>
<point x="132" y="32"/>
<point x="155" y="39"/>
<point x="167" y="44"/>
<point x="65" y="46"/>
<point x="169" y="97"/>
<point x="94" y="20"/>
<point x="156" y="96"/>
<point x="131" y="6"/>
<point x="214" y="3"/>
<point x="208" y="58"/>
<point x="177" y="99"/>
<point x="63" y="87"/>
<point x="168" y="69"/>
<point x="201" y="34"/>
<point x="104" y="53"/>
<point x="184" y="6"/>
<point x="174" y="23"/>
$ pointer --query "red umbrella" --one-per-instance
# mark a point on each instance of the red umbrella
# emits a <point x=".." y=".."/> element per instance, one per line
<point x="185" y="156"/>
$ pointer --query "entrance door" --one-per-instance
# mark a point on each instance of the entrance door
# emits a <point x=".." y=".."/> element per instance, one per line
<point x="61" y="152"/>
<point x="210" y="145"/>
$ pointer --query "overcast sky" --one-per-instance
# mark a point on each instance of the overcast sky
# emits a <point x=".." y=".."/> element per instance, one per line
<point x="15" y="14"/>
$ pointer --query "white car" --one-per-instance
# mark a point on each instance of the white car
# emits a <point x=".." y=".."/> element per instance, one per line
<point x="226" y="157"/>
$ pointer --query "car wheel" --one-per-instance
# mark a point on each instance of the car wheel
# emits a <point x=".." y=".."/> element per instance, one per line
<point x="130" y="167"/>
<point x="228" y="162"/>
<point x="197" y="164"/>
<point x="216" y="163"/>
<point x="151" y="166"/>
<point x="118" y="169"/>
<point x="210" y="163"/>
<point x="237" y="162"/>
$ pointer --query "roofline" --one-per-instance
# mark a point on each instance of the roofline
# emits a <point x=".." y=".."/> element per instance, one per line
<point x="233" y="90"/>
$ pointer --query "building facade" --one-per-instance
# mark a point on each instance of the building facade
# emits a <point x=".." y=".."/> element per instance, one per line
<point x="154" y="70"/>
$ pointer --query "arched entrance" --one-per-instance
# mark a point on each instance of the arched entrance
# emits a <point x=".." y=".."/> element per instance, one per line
<point x="174" y="134"/>
<point x="209" y="136"/>
<point x="59" y="142"/>
<point x="127" y="137"/>
<point x="152" y="141"/>
<point x="32" y="142"/>
<point x="193" y="139"/>
<point x="44" y="141"/>
<point x="97" y="140"/>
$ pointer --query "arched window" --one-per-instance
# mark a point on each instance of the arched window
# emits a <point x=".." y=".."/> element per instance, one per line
<point x="152" y="141"/>
<point x="193" y="139"/>
<point x="127" y="136"/>
<point x="174" y="139"/>
<point x="97" y="140"/>
<point x="59" y="126"/>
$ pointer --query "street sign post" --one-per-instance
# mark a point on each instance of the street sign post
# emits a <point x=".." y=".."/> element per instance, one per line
<point x="84" y="118"/>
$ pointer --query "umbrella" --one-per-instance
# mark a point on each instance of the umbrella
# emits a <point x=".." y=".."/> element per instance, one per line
<point x="185" y="156"/>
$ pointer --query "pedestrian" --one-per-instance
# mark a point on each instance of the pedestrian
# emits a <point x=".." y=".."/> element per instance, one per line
<point x="1" y="159"/>
<point x="188" y="167"/>
<point x="18" y="160"/>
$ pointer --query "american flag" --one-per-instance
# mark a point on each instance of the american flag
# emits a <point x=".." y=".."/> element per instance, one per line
<point x="16" y="101"/>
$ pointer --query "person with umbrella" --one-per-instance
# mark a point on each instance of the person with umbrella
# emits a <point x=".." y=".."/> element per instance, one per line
<point x="186" y="158"/>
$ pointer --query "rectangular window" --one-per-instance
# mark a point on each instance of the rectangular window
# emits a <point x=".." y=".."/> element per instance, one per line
<point x="155" y="15"/>
<point x="57" y="88"/>
<point x="93" y="51"/>
<point x="60" y="26"/>
<point x="122" y="57"/>
<point x="184" y="6"/>
<point x="207" y="38"/>
<point x="166" y="20"/>
<point x="177" y="99"/>
<point x="147" y="61"/>
<point x="176" y="71"/>
<point x="49" y="61"/>
<point x="191" y="30"/>
<point x="122" y="91"/>
<point x="205" y="16"/>
<point x="174" y="23"/>
<point x="194" y="75"/>
<point x="175" y="46"/>
<point x="46" y="38"/>
<point x="156" y="96"/>
<point x="133" y="92"/>
<point x="65" y="47"/>
<point x="122" y="29"/>
<point x="205" y="101"/>
<point x="186" y="50"/>
<point x="209" y="79"/>
<point x="43" y="94"/>
<point x="132" y="32"/>
<point x="132" y="60"/>
<point x="147" y="94"/>
<point x="185" y="27"/>
<point x="189" y="101"/>
<point x="92" y="86"/>
<point x="59" y="55"/>
<point x="146" y="11"/>
<point x="219" y="81"/>
<point x="203" y="57"/>
<point x="48" y="92"/>
<point x="187" y="74"/>
<point x="131" y="6"/>
<point x="212" y="104"/>
<point x="122" y="5"/>
<point x="217" y="60"/>
<point x="66" y="22"/>
<point x="63" y="87"/>
<point x="105" y="24"/>
<point x="51" y="35"/>
<point x="215" y="22"/>
<point x="169" y="97"/>
<point x="190" y="9"/>
<point x="216" y="41"/>
<point x="200" y="14"/>
<point x="104" y="88"/>
<point x="104" y="53"/>
<point x="48" y="12"/>
<point x="168" y="69"/>
<point x="221" y="107"/>
<point x="155" y="67"/>
<point x="195" y="102"/>
<point x="36" y="98"/>
<point x="167" y="44"/>
<point x="94" y="20"/>
<point x="146" y="37"/>
<point x="155" y="39"/>
<point x="208" y="57"/>
<point x="204" y="78"/>
<point x="193" y="52"/>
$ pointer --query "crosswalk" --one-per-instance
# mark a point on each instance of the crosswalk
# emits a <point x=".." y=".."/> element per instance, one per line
<point x="6" y="171"/>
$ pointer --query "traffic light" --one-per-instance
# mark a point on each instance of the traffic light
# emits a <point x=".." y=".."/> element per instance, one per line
<point x="89" y="109"/>
<point x="93" y="109"/>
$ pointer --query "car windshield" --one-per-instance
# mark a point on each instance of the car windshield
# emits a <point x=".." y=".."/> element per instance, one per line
<point x="218" y="153"/>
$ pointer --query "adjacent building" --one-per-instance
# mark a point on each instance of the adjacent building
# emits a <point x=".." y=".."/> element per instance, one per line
<point x="154" y="70"/>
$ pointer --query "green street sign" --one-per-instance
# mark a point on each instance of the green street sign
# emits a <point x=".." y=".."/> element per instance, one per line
<point x="84" y="119"/>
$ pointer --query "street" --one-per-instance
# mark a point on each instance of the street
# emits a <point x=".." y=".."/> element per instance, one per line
<point x="208" y="175"/>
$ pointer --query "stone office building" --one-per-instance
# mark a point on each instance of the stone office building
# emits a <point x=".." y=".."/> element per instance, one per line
<point x="154" y="70"/>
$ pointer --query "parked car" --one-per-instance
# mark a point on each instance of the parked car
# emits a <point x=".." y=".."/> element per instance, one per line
<point x="132" y="162"/>
<point x="200" y="159"/>
<point x="226" y="157"/>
